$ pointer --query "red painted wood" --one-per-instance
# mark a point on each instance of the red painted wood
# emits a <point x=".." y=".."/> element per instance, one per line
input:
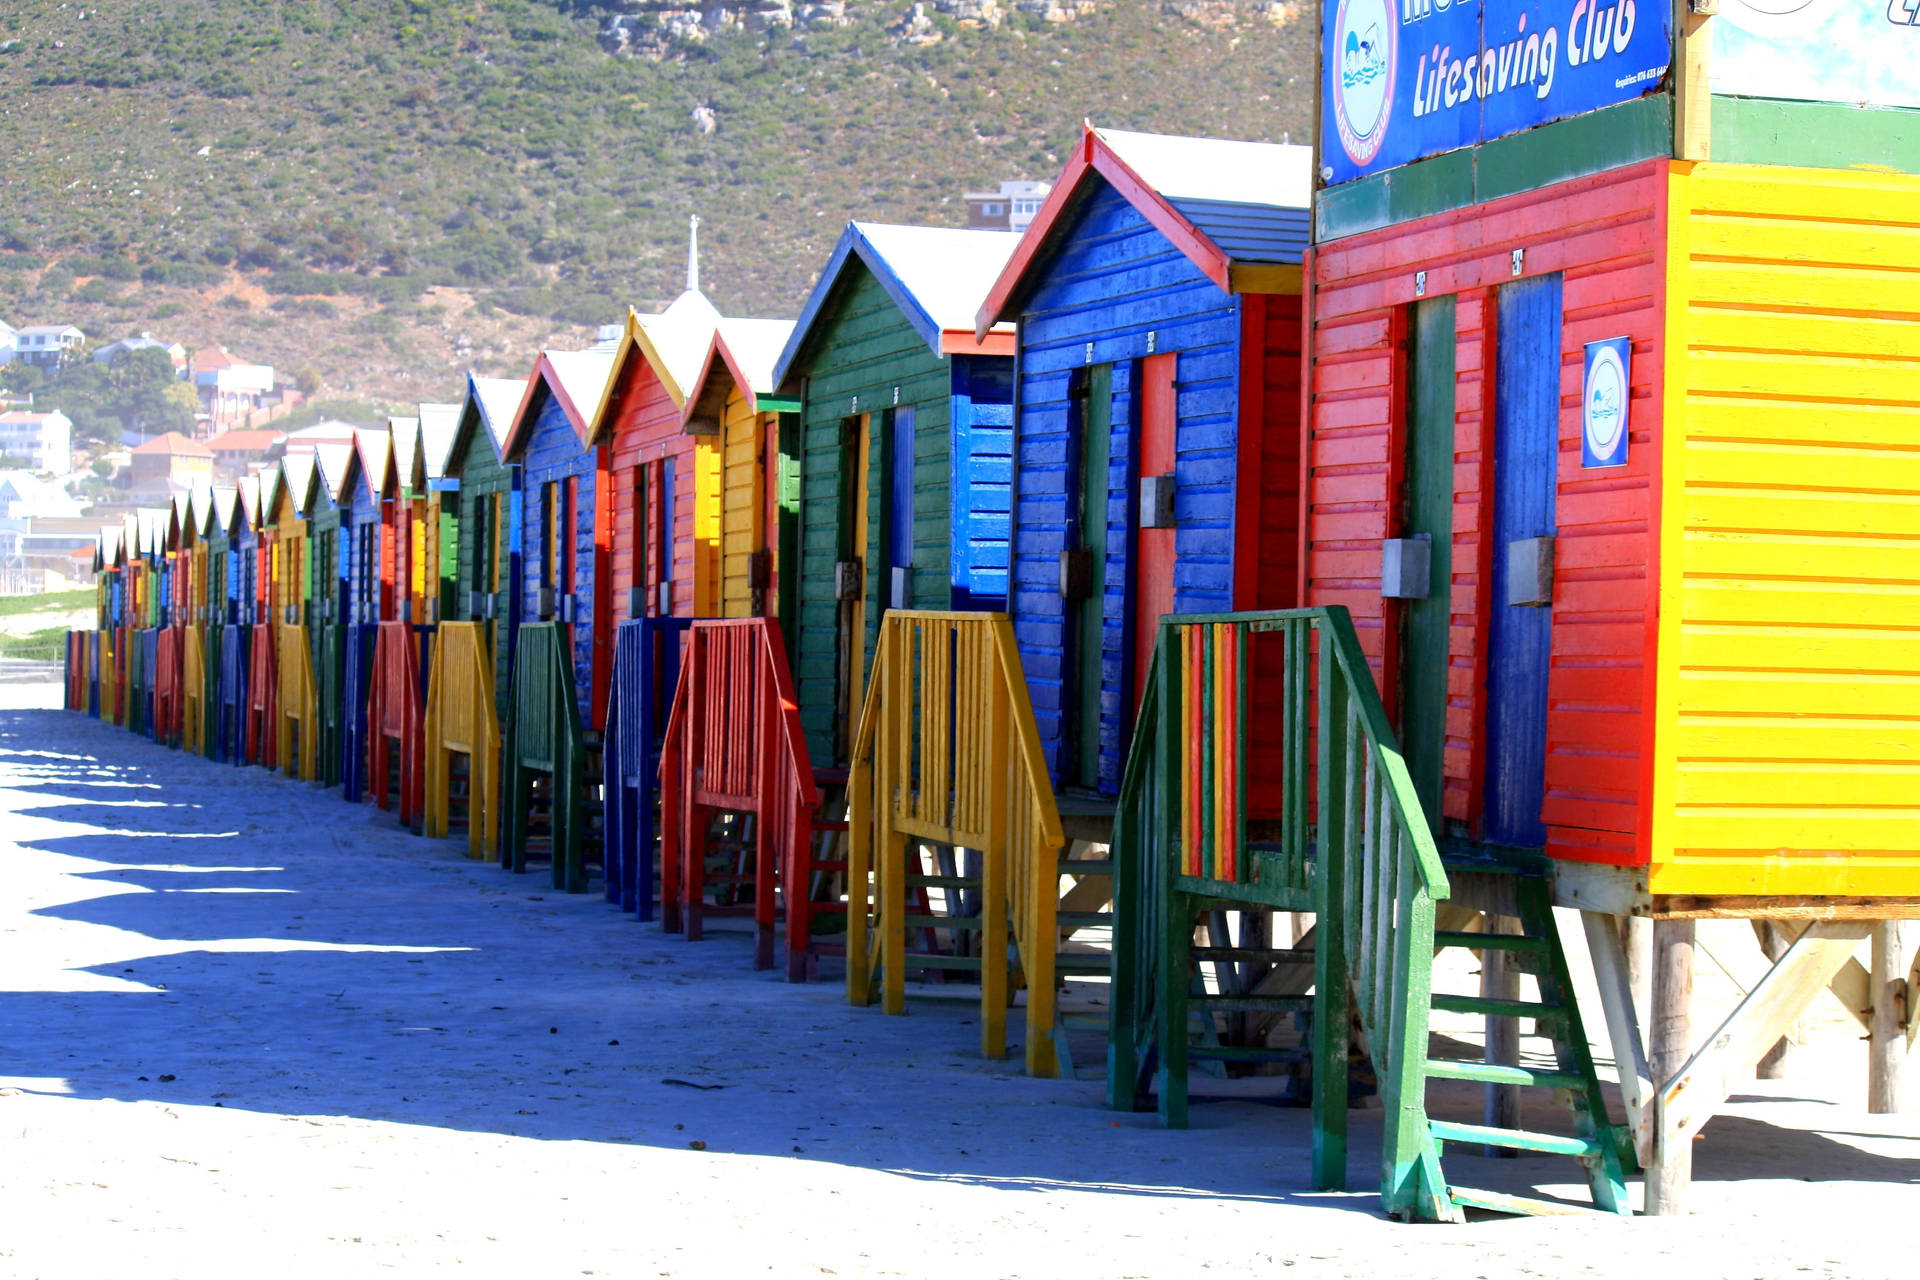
<point x="1153" y="548"/>
<point x="643" y="427"/>
<point x="1606" y="234"/>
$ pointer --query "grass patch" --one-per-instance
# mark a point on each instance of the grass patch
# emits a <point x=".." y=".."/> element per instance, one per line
<point x="47" y="602"/>
<point x="49" y="645"/>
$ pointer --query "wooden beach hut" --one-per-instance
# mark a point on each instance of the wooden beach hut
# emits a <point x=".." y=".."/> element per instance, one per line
<point x="295" y="725"/>
<point x="906" y="433"/>
<point x="1157" y="465"/>
<point x="329" y="542"/>
<point x="563" y="647"/>
<point x="369" y="519"/>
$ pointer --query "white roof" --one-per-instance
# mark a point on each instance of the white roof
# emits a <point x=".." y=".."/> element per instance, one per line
<point x="948" y="270"/>
<point x="405" y="433"/>
<point x="438" y="422"/>
<point x="583" y="376"/>
<point x="499" y="401"/>
<point x="681" y="335"/>
<point x="756" y="346"/>
<point x="1179" y="168"/>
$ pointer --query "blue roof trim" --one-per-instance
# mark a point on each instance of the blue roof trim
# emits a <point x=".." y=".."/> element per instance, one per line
<point x="1250" y="232"/>
<point x="852" y="242"/>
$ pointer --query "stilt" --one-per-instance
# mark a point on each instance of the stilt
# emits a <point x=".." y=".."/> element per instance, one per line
<point x="1778" y="1064"/>
<point x="1637" y="934"/>
<point x="1500" y="980"/>
<point x="1670" y="1174"/>
<point x="1887" y="1037"/>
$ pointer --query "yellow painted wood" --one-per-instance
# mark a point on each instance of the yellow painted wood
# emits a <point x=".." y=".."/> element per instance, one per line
<point x="193" y="691"/>
<point x="742" y="502"/>
<point x="298" y="704"/>
<point x="1787" y="705"/>
<point x="460" y="720"/>
<point x="706" y="528"/>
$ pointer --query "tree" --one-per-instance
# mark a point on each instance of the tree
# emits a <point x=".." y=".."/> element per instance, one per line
<point x="141" y="392"/>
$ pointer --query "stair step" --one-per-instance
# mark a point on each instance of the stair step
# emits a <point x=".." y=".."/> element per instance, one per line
<point x="1529" y="1206"/>
<point x="1496" y="1073"/>
<point x="944" y="882"/>
<point x="1083" y="964"/>
<point x="1253" y="955"/>
<point x="1489" y="941"/>
<point x="1081" y="919"/>
<point x="969" y="923"/>
<point x="830" y="824"/>
<point x="1248" y="1053"/>
<point x="1552" y="1144"/>
<point x="1086" y="867"/>
<point x="921" y="961"/>
<point x="839" y="864"/>
<point x="1251" y="1004"/>
<point x="1490" y="1008"/>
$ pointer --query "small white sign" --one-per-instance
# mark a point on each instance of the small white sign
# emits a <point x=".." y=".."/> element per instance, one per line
<point x="1605" y="393"/>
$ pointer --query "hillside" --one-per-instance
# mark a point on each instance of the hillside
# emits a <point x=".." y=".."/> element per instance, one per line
<point x="388" y="191"/>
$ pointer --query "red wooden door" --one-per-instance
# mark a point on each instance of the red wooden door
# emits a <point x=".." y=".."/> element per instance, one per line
<point x="1153" y="549"/>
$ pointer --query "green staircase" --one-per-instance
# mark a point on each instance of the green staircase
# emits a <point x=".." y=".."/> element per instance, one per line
<point x="1314" y="811"/>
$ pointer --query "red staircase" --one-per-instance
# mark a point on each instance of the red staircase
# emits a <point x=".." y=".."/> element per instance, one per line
<point x="396" y="723"/>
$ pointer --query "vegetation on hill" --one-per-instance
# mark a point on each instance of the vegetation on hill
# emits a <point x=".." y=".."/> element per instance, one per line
<point x="390" y="190"/>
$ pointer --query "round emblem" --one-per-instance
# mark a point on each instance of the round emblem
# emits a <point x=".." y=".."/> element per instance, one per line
<point x="1363" y="33"/>
<point x="1605" y="412"/>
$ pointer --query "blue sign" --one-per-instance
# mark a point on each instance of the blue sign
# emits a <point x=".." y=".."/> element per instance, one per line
<point x="1605" y="393"/>
<point x="1407" y="79"/>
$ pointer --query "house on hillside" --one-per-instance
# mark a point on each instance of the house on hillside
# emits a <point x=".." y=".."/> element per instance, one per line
<point x="25" y="496"/>
<point x="47" y="345"/>
<point x="43" y="441"/>
<point x="170" y="464"/>
<point x="230" y="390"/>
<point x="237" y="452"/>
<point x="308" y="440"/>
<point x="175" y="352"/>
<point x="1011" y="208"/>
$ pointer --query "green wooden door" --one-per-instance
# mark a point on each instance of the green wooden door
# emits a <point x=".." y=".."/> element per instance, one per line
<point x="1428" y="517"/>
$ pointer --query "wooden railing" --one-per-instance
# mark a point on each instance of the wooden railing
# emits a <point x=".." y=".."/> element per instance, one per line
<point x="460" y="720"/>
<point x="396" y="718"/>
<point x="296" y="713"/>
<point x="76" y="671"/>
<point x="1235" y="709"/>
<point x="646" y="667"/>
<point x="193" y="690"/>
<point x="261" y="733"/>
<point x="543" y="735"/>
<point x="230" y="694"/>
<point x="947" y="751"/>
<point x="734" y="744"/>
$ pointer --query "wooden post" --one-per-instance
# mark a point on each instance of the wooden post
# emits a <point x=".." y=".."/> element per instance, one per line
<point x="1778" y="1064"/>
<point x="1887" y="1037"/>
<point x="1670" y="1174"/>
<point x="1637" y="933"/>
<point x="1606" y="949"/>
<point x="1499" y="980"/>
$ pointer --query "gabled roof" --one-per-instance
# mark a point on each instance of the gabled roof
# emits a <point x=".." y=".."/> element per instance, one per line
<point x="245" y="440"/>
<point x="109" y="548"/>
<point x="438" y="422"/>
<point x="180" y="521"/>
<point x="248" y="491"/>
<point x="227" y="514"/>
<point x="373" y="452"/>
<point x="673" y="343"/>
<point x="1240" y="211"/>
<point x="488" y="405"/>
<point x="937" y="276"/>
<point x="405" y="434"/>
<point x="298" y="482"/>
<point x="152" y="525"/>
<point x="334" y="462"/>
<point x="577" y="379"/>
<point x="202" y="502"/>
<point x="742" y="354"/>
<point x="174" y="442"/>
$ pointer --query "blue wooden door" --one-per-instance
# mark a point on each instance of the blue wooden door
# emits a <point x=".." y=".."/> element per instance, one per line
<point x="900" y="512"/>
<point x="1520" y="643"/>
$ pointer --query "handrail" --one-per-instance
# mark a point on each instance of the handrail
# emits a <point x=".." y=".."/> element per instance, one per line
<point x="947" y="750"/>
<point x="1374" y="873"/>
<point x="543" y="735"/>
<point x="394" y="712"/>
<point x="460" y="719"/>
<point x="296" y="712"/>
<point x="734" y="743"/>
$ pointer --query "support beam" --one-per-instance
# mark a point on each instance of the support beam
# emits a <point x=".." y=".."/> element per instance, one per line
<point x="1608" y="951"/>
<point x="1500" y="980"/>
<point x="1777" y="1064"/>
<point x="1670" y="1172"/>
<point x="1887" y="1093"/>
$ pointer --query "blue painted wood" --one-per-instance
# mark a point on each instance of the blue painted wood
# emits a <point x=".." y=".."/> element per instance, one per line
<point x="1520" y="642"/>
<point x="550" y="453"/>
<point x="231" y="698"/>
<point x="982" y="429"/>
<point x="899" y="494"/>
<point x="646" y="666"/>
<point x="1112" y="281"/>
<point x="663" y="536"/>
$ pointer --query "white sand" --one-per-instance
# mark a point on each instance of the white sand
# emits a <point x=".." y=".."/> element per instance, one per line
<point x="386" y="1059"/>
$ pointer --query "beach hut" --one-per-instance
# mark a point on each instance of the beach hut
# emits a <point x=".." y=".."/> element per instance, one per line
<point x="370" y="555"/>
<point x="563" y="647"/>
<point x="329" y="605"/>
<point x="1157" y="465"/>
<point x="905" y="435"/>
<point x="294" y="727"/>
<point x="488" y="576"/>
<point x="243" y="608"/>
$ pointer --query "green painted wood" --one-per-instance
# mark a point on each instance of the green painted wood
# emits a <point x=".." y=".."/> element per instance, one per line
<point x="1095" y="482"/>
<point x="1815" y="135"/>
<point x="1559" y="152"/>
<point x="1515" y="1139"/>
<point x="543" y="736"/>
<point x="1427" y="624"/>
<point x="1494" y="1073"/>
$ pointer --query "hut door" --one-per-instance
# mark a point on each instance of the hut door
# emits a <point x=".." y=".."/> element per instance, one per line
<point x="1428" y="518"/>
<point x="850" y="581"/>
<point x="1153" y="539"/>
<point x="1084" y="573"/>
<point x="898" y="586"/>
<point x="1526" y="452"/>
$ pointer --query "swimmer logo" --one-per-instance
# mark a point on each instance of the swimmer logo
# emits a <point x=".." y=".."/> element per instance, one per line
<point x="1363" y="75"/>
<point x="1605" y="392"/>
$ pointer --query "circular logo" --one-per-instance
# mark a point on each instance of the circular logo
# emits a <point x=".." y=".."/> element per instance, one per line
<point x="1779" y="17"/>
<point x="1604" y="415"/>
<point x="1363" y="36"/>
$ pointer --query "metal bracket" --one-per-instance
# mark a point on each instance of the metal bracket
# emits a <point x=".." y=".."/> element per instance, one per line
<point x="636" y="601"/>
<point x="1406" y="567"/>
<point x="849" y="580"/>
<point x="900" y="595"/>
<point x="1156" y="501"/>
<point x="1518" y="261"/>
<point x="1076" y="574"/>
<point x="1530" y="572"/>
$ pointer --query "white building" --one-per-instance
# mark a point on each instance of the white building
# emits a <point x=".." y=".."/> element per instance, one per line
<point x="47" y="345"/>
<point x="24" y="496"/>
<point x="8" y="336"/>
<point x="1011" y="208"/>
<point x="44" y="441"/>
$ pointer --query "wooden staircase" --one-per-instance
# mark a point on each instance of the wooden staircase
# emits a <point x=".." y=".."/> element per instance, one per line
<point x="1215" y="819"/>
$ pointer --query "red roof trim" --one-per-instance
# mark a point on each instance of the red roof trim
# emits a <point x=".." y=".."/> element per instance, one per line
<point x="1095" y="156"/>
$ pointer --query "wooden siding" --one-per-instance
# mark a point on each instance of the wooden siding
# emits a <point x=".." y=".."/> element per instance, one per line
<point x="366" y="574"/>
<point x="1605" y="234"/>
<point x="866" y="359"/>
<point x="484" y="482"/>
<point x="644" y="429"/>
<point x="1789" y="697"/>
<point x="551" y="453"/>
<point x="742" y="501"/>
<point x="1114" y="280"/>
